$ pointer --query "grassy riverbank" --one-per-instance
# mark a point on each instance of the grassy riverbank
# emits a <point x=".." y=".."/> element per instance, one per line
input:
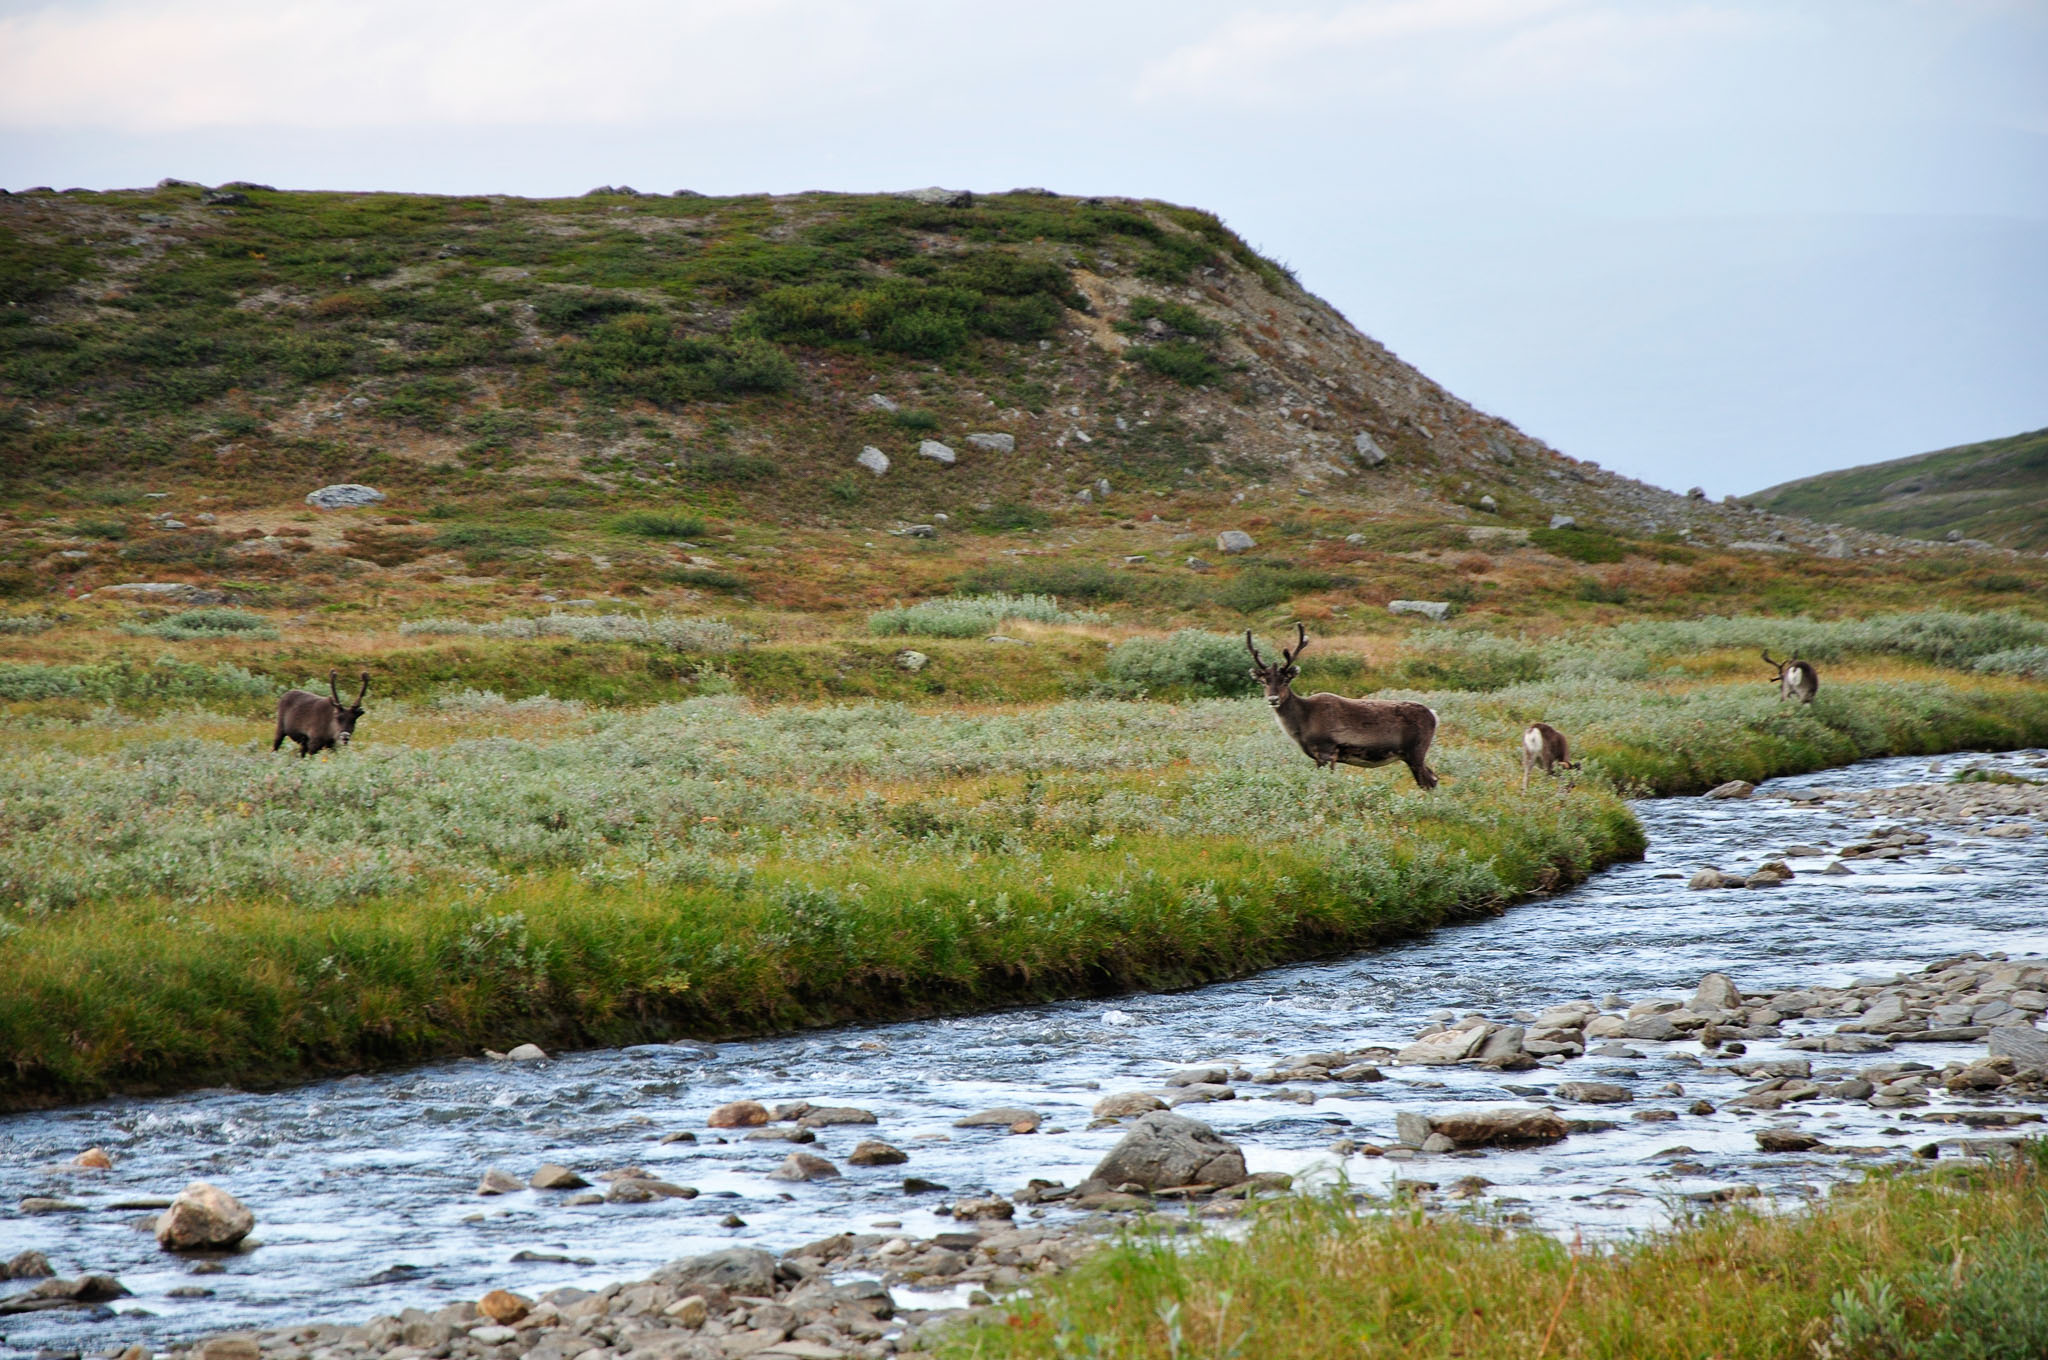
<point x="182" y="907"/>
<point x="1948" y="1265"/>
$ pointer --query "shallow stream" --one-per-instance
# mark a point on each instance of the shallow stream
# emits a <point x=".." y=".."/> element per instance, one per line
<point x="364" y="1187"/>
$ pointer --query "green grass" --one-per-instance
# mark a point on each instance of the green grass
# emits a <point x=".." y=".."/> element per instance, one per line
<point x="659" y="524"/>
<point x="179" y="907"/>
<point x="1949" y="1264"/>
<point x="1993" y="491"/>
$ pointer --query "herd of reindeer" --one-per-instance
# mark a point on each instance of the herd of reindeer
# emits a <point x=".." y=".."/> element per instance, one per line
<point x="1330" y="729"/>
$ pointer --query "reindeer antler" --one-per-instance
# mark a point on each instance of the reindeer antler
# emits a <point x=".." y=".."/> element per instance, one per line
<point x="1779" y="666"/>
<point x="1300" y="646"/>
<point x="1253" y="648"/>
<point x="332" y="692"/>
<point x="364" y="690"/>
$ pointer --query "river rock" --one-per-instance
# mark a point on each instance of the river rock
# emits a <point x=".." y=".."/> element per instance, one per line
<point x="874" y="1152"/>
<point x="496" y="1182"/>
<point x="1163" y="1150"/>
<point x="1592" y="1093"/>
<point x="739" y="1114"/>
<point x="1606" y="1027"/>
<point x="804" y="1166"/>
<point x="1201" y="1093"/>
<point x="1716" y="992"/>
<point x="1501" y="1126"/>
<point x="992" y="1206"/>
<point x="1656" y="1028"/>
<point x="93" y="1159"/>
<point x="1710" y="878"/>
<point x="27" y="1265"/>
<point x="834" y="1114"/>
<point x="343" y="495"/>
<point x="1125" y="1104"/>
<point x="1786" y="1140"/>
<point x="504" y="1306"/>
<point x="1002" y="1116"/>
<point x="646" y="1189"/>
<point x="203" y="1217"/>
<point x="993" y="441"/>
<point x="1199" y="1076"/>
<point x="49" y="1204"/>
<point x="527" y="1053"/>
<point x="555" y="1176"/>
<point x="53" y="1293"/>
<point x="1441" y="1050"/>
<point x="2024" y="1044"/>
<point x="737" y="1270"/>
<point x="1734" y="788"/>
<point x="1502" y="1049"/>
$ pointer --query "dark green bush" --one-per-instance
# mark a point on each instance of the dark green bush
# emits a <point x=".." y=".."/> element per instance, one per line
<point x="580" y="310"/>
<point x="1063" y="580"/>
<point x="1593" y="590"/>
<point x="1186" y="363"/>
<point x="706" y="578"/>
<point x="178" y="549"/>
<point x="658" y="524"/>
<point x="1006" y="515"/>
<point x="1259" y="588"/>
<point x="1176" y="316"/>
<point x="740" y="468"/>
<point x="1189" y="662"/>
<point x="1581" y="545"/>
<point x="648" y="356"/>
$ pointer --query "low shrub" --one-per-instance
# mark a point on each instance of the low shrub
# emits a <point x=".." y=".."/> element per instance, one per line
<point x="1189" y="662"/>
<point x="1260" y="588"/>
<point x="21" y="625"/>
<point x="1580" y="545"/>
<point x="1186" y="363"/>
<point x="1070" y="580"/>
<point x="659" y="524"/>
<point x="196" y="624"/>
<point x="969" y="615"/>
<point x="1445" y="659"/>
<point x="2029" y="661"/>
<point x="164" y="680"/>
<point x="668" y="630"/>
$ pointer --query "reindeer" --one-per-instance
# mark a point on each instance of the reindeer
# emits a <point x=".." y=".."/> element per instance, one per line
<point x="1333" y="730"/>
<point x="1796" y="679"/>
<point x="1544" y="745"/>
<point x="318" y="724"/>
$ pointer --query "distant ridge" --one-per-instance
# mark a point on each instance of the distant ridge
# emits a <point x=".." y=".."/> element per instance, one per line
<point x="1995" y="491"/>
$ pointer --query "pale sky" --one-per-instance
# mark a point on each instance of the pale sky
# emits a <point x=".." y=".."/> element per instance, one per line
<point x="1724" y="243"/>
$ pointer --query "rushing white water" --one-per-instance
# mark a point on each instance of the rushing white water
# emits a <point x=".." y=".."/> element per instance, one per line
<point x="363" y="1187"/>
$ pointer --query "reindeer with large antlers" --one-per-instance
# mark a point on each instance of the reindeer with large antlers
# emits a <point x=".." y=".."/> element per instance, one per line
<point x="1333" y="730"/>
<point x="1796" y="679"/>
<point x="318" y="722"/>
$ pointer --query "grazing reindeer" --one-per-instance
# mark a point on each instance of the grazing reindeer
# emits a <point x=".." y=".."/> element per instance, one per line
<point x="1796" y="679"/>
<point x="1544" y="745"/>
<point x="317" y="724"/>
<point x="1334" y="730"/>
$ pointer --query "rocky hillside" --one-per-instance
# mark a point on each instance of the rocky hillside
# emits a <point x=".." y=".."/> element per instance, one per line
<point x="1995" y="492"/>
<point x="570" y="391"/>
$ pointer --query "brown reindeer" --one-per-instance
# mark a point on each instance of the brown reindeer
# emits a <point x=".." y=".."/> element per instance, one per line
<point x="1334" y="731"/>
<point x="1796" y="679"/>
<point x="318" y="722"/>
<point x="1544" y="745"/>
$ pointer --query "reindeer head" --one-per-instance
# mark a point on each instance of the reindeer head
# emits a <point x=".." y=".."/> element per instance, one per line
<point x="345" y="715"/>
<point x="1276" y="678"/>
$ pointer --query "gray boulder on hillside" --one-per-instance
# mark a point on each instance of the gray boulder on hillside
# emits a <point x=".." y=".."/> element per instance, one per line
<point x="1235" y="541"/>
<point x="1370" y="454"/>
<point x="1164" y="1150"/>
<point x="343" y="496"/>
<point x="994" y="442"/>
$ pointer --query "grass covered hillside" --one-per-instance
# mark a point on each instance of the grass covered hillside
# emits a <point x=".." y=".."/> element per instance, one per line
<point x="1996" y="491"/>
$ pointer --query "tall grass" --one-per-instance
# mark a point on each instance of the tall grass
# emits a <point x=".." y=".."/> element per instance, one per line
<point x="668" y="630"/>
<point x="1946" y="1265"/>
<point x="970" y="615"/>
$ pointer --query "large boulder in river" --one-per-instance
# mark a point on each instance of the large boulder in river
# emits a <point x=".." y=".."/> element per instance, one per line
<point x="1163" y="1150"/>
<point x="203" y="1217"/>
<point x="1501" y="1126"/>
<point x="1716" y="992"/>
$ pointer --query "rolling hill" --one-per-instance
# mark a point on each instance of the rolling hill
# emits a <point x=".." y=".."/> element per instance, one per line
<point x="1995" y="492"/>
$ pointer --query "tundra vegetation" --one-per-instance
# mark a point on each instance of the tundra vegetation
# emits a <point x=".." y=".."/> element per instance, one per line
<point x="1940" y="1265"/>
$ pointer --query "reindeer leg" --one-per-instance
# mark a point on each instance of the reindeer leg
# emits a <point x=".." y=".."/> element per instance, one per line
<point x="1424" y="776"/>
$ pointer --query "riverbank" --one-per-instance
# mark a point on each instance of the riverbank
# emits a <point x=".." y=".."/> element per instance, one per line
<point x="190" y="913"/>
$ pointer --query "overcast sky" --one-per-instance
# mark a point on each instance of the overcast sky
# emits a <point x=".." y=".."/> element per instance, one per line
<point x="1726" y="243"/>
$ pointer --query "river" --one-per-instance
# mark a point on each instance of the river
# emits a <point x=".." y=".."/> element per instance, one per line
<point x="364" y="1187"/>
